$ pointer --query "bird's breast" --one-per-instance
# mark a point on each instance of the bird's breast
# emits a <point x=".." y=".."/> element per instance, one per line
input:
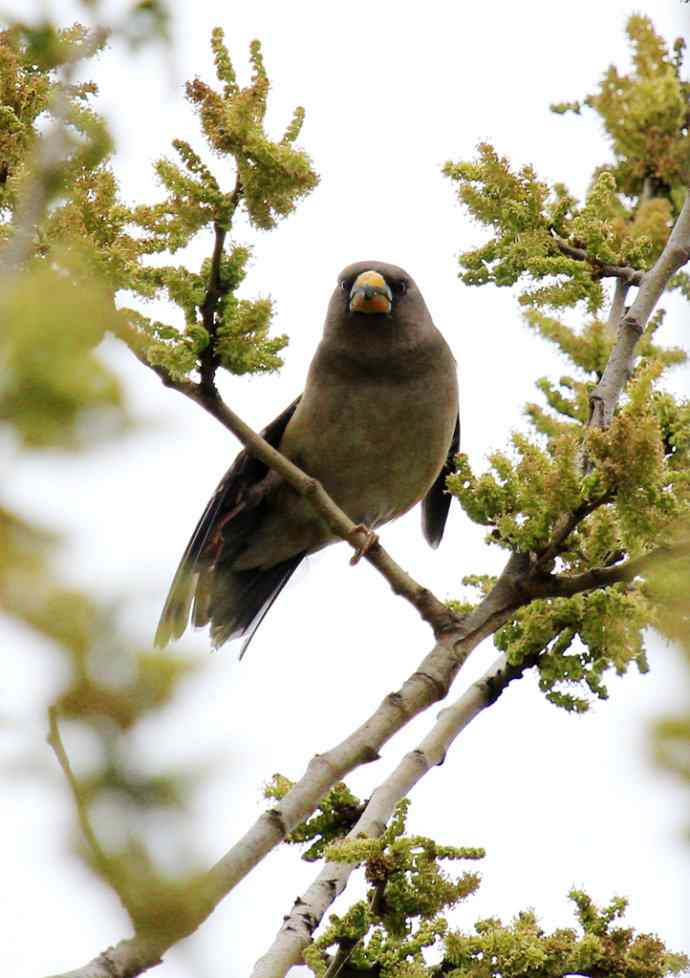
<point x="376" y="446"/>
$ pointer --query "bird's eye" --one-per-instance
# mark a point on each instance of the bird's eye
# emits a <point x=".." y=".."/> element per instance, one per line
<point x="402" y="286"/>
<point x="343" y="285"/>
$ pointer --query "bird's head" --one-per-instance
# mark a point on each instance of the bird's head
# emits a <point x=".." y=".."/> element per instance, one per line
<point x="373" y="289"/>
<point x="376" y="312"/>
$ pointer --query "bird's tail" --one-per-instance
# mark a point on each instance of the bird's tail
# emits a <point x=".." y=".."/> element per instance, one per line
<point x="242" y="599"/>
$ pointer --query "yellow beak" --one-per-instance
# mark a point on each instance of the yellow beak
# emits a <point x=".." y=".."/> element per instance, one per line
<point x="371" y="294"/>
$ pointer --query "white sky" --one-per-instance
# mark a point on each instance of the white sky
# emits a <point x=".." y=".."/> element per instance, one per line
<point x="392" y="90"/>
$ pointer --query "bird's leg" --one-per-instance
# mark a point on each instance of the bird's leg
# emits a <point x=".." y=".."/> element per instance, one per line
<point x="370" y="541"/>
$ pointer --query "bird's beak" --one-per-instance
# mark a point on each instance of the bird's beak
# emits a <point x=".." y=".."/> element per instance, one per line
<point x="371" y="294"/>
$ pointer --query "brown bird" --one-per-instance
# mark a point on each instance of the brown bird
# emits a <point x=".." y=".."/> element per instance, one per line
<point x="377" y="425"/>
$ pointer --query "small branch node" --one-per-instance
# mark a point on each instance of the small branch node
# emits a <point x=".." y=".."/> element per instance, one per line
<point x="633" y="323"/>
<point x="311" y="487"/>
<point x="440" y="688"/>
<point x="275" y="817"/>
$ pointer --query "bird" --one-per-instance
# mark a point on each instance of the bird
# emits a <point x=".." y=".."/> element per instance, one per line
<point x="377" y="425"/>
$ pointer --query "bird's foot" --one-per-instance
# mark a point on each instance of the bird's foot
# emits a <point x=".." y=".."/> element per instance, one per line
<point x="363" y="549"/>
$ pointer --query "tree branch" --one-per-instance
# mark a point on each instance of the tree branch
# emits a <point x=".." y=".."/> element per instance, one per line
<point x="631" y="326"/>
<point x="55" y="741"/>
<point x="564" y="586"/>
<point x="308" y="910"/>
<point x="428" y="684"/>
<point x="601" y="269"/>
<point x="209" y="360"/>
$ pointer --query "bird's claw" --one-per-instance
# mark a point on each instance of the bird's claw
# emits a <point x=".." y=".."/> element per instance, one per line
<point x="370" y="541"/>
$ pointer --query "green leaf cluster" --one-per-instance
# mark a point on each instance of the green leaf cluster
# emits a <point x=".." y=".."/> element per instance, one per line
<point x="54" y="388"/>
<point x="574" y="641"/>
<point x="522" y="949"/>
<point x="32" y="88"/>
<point x="645" y="114"/>
<point x="270" y="178"/>
<point x="543" y="236"/>
<point x="389" y="934"/>
<point x="92" y="238"/>
<point x="571" y="498"/>
<point x="403" y="914"/>
<point x="273" y="175"/>
<point x="633" y="496"/>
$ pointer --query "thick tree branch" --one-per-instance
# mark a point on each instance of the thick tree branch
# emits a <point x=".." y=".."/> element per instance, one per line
<point x="298" y="927"/>
<point x="428" y="684"/>
<point x="308" y="910"/>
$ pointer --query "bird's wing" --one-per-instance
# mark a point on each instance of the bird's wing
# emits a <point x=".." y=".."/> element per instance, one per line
<point x="436" y="503"/>
<point x="235" y="503"/>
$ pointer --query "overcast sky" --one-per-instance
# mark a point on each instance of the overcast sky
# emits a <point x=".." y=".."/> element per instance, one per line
<point x="391" y="90"/>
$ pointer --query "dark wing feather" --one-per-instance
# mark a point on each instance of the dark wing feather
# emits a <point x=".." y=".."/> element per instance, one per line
<point x="235" y="503"/>
<point x="436" y="503"/>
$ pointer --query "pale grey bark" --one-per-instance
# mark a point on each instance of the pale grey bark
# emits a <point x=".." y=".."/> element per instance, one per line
<point x="308" y="910"/>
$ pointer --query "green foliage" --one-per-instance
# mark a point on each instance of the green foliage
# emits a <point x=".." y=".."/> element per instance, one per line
<point x="270" y="178"/>
<point x="403" y="913"/>
<point x="646" y="115"/>
<point x="66" y="250"/>
<point x="522" y="949"/>
<point x="668" y="586"/>
<point x="574" y="497"/>
<point x="273" y="175"/>
<point x="543" y="234"/>
<point x="54" y="387"/>
<point x="608" y="623"/>
<point x="633" y="497"/>
<point x="525" y="496"/>
<point x="387" y="935"/>
<point x="103" y="245"/>
<point x="520" y="210"/>
<point x="30" y="89"/>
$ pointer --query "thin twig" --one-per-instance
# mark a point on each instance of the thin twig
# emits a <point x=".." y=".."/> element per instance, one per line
<point x="215" y="291"/>
<point x="55" y="741"/>
<point x="601" y="269"/>
<point x="565" y="586"/>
